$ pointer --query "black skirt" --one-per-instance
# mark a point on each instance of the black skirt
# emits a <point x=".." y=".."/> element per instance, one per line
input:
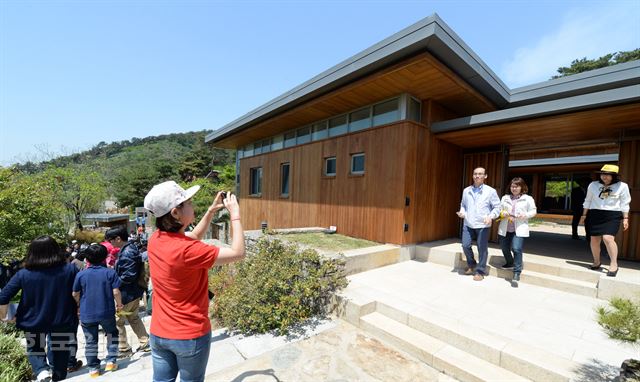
<point x="601" y="222"/>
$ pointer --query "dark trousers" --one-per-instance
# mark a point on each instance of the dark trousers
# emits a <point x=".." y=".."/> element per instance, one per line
<point x="58" y="347"/>
<point x="575" y="223"/>
<point x="510" y="243"/>
<point x="73" y="348"/>
<point x="481" y="236"/>
<point x="90" y="330"/>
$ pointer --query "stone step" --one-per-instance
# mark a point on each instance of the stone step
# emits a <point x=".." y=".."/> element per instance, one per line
<point x="564" y="284"/>
<point x="540" y="266"/>
<point x="435" y="353"/>
<point x="523" y="359"/>
<point x="536" y="272"/>
<point x="365" y="259"/>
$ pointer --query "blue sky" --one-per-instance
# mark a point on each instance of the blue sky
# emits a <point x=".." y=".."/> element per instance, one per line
<point x="74" y="73"/>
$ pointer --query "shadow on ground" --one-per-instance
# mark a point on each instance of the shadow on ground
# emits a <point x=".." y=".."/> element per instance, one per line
<point x="596" y="371"/>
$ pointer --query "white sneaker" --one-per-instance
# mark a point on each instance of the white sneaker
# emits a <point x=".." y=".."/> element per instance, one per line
<point x="44" y="376"/>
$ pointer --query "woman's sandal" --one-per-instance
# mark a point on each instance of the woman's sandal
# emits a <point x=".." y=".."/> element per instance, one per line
<point x="613" y="273"/>
<point x="596" y="267"/>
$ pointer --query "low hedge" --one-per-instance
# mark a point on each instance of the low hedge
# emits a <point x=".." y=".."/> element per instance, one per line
<point x="277" y="286"/>
<point x="14" y="365"/>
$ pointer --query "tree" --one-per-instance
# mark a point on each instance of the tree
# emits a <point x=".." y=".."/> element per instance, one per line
<point x="28" y="209"/>
<point x="583" y="64"/>
<point x="78" y="189"/>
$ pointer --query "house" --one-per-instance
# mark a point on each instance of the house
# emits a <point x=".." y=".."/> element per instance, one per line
<point x="382" y="144"/>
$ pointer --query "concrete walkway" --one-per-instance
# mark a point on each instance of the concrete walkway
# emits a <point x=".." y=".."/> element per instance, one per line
<point x="550" y="334"/>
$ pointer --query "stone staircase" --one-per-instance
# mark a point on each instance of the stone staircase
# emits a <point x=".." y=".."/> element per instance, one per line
<point x="485" y="331"/>
<point x="549" y="272"/>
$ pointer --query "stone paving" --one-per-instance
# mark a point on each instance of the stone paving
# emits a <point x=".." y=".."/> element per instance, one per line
<point x="326" y="350"/>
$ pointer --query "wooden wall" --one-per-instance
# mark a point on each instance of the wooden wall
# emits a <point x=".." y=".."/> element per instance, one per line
<point x="403" y="160"/>
<point x="495" y="162"/>
<point x="629" y="163"/>
<point x="369" y="206"/>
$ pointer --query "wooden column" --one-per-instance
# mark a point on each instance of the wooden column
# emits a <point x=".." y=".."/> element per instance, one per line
<point x="629" y="162"/>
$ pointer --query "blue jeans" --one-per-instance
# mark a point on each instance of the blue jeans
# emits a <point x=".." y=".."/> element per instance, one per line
<point x="481" y="236"/>
<point x="58" y="348"/>
<point x="73" y="348"/>
<point x="189" y="357"/>
<point x="512" y="243"/>
<point x="90" y="330"/>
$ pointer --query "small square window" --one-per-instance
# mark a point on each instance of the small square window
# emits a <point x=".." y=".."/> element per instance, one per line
<point x="284" y="179"/>
<point x="330" y="166"/>
<point x="255" y="181"/>
<point x="357" y="164"/>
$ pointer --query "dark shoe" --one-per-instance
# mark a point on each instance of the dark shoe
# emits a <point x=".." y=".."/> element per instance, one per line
<point x="613" y="274"/>
<point x="596" y="267"/>
<point x="125" y="354"/>
<point x="75" y="367"/>
<point x="575" y="237"/>
<point x="516" y="277"/>
<point x="507" y="266"/>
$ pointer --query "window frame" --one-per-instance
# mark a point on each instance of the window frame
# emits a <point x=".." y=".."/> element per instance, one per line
<point x="353" y="157"/>
<point x="335" y="165"/>
<point x="252" y="181"/>
<point x="282" y="166"/>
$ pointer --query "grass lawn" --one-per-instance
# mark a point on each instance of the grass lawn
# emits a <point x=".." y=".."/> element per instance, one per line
<point x="328" y="242"/>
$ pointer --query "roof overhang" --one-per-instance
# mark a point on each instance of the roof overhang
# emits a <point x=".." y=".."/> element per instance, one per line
<point x="566" y="105"/>
<point x="430" y="35"/>
<point x="601" y="88"/>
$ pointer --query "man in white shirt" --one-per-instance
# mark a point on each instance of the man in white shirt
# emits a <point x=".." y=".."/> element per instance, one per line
<point x="479" y="206"/>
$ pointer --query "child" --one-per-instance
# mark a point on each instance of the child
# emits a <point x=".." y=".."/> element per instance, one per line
<point x="46" y="313"/>
<point x="94" y="289"/>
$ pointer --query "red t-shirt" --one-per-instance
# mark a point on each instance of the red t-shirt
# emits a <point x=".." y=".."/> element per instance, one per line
<point x="179" y="267"/>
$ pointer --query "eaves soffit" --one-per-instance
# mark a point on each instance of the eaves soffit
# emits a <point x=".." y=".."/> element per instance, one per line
<point x="430" y="34"/>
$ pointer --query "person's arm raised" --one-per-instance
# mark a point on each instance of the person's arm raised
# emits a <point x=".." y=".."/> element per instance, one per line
<point x="236" y="252"/>
<point x="201" y="229"/>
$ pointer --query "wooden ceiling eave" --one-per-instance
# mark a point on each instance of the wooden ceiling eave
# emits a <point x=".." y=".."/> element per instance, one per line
<point x="422" y="76"/>
<point x="596" y="124"/>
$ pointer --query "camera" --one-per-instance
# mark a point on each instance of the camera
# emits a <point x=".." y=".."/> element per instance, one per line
<point x="224" y="195"/>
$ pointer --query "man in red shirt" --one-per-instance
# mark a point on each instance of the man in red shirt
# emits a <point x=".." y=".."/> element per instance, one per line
<point x="179" y="264"/>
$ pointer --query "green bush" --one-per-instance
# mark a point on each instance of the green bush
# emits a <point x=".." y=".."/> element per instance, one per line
<point x="14" y="365"/>
<point x="621" y="323"/>
<point x="89" y="236"/>
<point x="275" y="287"/>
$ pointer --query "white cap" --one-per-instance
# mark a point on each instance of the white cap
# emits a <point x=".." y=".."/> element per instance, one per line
<point x="165" y="196"/>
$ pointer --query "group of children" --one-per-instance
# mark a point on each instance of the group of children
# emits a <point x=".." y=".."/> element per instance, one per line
<point x="59" y="287"/>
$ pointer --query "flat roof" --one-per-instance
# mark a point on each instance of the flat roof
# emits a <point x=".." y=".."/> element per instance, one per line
<point x="623" y="95"/>
<point x="430" y="34"/>
<point x="433" y="35"/>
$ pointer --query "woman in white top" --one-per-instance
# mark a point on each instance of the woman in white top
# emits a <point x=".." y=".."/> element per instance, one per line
<point x="517" y="209"/>
<point x="605" y="206"/>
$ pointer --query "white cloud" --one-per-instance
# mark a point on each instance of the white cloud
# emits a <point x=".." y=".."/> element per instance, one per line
<point x="589" y="33"/>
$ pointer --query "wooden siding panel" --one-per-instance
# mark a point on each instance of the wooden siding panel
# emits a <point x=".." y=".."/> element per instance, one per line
<point x="629" y="162"/>
<point x="369" y="206"/>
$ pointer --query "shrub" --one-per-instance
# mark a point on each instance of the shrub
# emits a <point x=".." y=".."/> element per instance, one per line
<point x="14" y="365"/>
<point x="623" y="321"/>
<point x="277" y="286"/>
<point x="88" y="236"/>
